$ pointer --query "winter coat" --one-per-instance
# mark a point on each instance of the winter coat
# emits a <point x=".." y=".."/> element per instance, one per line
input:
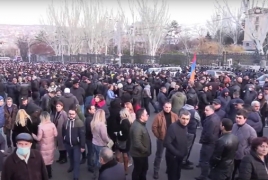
<point x="211" y="130"/>
<point x="16" y="169"/>
<point x="159" y="126"/>
<point x="194" y="120"/>
<point x="69" y="101"/>
<point x="110" y="97"/>
<point x="79" y="93"/>
<point x="46" y="137"/>
<point x="140" y="145"/>
<point x="101" y="105"/>
<point x="178" y="100"/>
<point x="253" y="168"/>
<point x="162" y="99"/>
<point x="18" y="128"/>
<point x="254" y="120"/>
<point x="112" y="170"/>
<point x="73" y="132"/>
<point x="10" y="118"/>
<point x="224" y="99"/>
<point x="245" y="134"/>
<point x="59" y="121"/>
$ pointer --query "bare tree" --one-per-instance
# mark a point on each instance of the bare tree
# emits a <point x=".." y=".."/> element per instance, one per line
<point x="129" y="24"/>
<point x="154" y="18"/>
<point x="256" y="35"/>
<point x="98" y="24"/>
<point x="62" y="30"/>
<point x="232" y="28"/>
<point x="214" y="24"/>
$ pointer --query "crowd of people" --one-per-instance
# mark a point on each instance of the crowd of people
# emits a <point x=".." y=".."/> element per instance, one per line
<point x="98" y="116"/>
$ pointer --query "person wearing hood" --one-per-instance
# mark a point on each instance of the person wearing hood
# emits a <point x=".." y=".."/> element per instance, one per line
<point x="191" y="127"/>
<point x="68" y="99"/>
<point x="178" y="100"/>
<point x="224" y="98"/>
<point x="217" y="106"/>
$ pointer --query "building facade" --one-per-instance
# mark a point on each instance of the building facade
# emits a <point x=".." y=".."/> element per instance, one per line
<point x="255" y="21"/>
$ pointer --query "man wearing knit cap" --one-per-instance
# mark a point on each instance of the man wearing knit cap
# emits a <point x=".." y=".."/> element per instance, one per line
<point x="24" y="163"/>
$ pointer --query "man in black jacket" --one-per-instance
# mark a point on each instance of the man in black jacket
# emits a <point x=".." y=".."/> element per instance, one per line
<point x="222" y="160"/>
<point x="176" y="145"/>
<point x="73" y="132"/>
<point x="209" y="136"/>
<point x="203" y="102"/>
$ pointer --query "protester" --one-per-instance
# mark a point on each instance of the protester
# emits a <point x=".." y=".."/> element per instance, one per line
<point x="46" y="137"/>
<point x="110" y="169"/>
<point x="24" y="163"/>
<point x="176" y="144"/>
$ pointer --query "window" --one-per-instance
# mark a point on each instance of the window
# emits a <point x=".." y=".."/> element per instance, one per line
<point x="256" y="27"/>
<point x="247" y="44"/>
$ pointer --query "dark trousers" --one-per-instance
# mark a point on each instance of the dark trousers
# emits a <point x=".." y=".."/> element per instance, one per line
<point x="205" y="155"/>
<point x="152" y="91"/>
<point x="158" y="154"/>
<point x="173" y="167"/>
<point x="63" y="155"/>
<point x="49" y="171"/>
<point x="156" y="92"/>
<point x="8" y="137"/>
<point x="90" y="155"/>
<point x="236" y="167"/>
<point x="74" y="153"/>
<point x="140" y="169"/>
<point x="146" y="104"/>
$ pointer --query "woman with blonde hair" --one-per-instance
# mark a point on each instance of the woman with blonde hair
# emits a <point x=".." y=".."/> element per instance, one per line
<point x="123" y="141"/>
<point x="129" y="107"/>
<point x="100" y="137"/>
<point x="47" y="132"/>
<point x="23" y="124"/>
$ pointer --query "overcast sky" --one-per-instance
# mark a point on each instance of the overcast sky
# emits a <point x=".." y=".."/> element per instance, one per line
<point x="29" y="12"/>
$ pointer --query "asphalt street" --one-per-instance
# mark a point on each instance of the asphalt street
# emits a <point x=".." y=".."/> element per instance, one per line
<point x="60" y="171"/>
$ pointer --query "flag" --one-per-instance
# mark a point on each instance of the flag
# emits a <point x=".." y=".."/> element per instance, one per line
<point x="192" y="74"/>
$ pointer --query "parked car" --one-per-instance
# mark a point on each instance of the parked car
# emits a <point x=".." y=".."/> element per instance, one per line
<point x="261" y="79"/>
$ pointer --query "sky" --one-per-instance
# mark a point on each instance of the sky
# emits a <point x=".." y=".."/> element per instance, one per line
<point x="30" y="12"/>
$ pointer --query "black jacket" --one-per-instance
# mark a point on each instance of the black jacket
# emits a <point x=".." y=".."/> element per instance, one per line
<point x="221" y="113"/>
<point x="176" y="140"/>
<point x="112" y="170"/>
<point x="203" y="100"/>
<point x="211" y="129"/>
<point x="253" y="168"/>
<point x="224" y="152"/>
<point x="73" y="133"/>
<point x="88" y="120"/>
<point x="79" y="93"/>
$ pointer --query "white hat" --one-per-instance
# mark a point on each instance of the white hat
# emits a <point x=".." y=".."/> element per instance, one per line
<point x="67" y="90"/>
<point x="120" y="85"/>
